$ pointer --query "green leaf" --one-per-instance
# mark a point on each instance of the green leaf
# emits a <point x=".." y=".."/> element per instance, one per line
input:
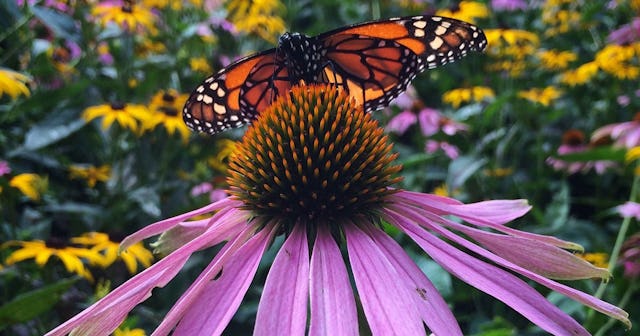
<point x="27" y="306"/>
<point x="60" y="23"/>
<point x="44" y="135"/>
<point x="462" y="168"/>
<point x="595" y="154"/>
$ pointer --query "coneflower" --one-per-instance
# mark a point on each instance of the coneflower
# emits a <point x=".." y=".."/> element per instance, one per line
<point x="318" y="170"/>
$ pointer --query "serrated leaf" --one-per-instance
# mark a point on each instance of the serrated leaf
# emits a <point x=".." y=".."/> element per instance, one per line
<point x="27" y="306"/>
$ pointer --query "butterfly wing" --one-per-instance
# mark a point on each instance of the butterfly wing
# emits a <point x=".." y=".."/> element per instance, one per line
<point x="237" y="94"/>
<point x="375" y="61"/>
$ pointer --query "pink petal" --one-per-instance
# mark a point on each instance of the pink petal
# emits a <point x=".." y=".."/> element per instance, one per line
<point x="387" y="302"/>
<point x="205" y="286"/>
<point x="433" y="309"/>
<point x="548" y="260"/>
<point x="333" y="309"/>
<point x="493" y="281"/>
<point x="166" y="224"/>
<point x="220" y="297"/>
<point x="104" y="316"/>
<point x="283" y="305"/>
<point x="433" y="223"/>
<point x="630" y="209"/>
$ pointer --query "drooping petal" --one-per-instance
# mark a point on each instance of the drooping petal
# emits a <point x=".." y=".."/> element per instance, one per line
<point x="216" y="295"/>
<point x="387" y="302"/>
<point x="494" y="281"/>
<point x="104" y="316"/>
<point x="548" y="260"/>
<point x="482" y="214"/>
<point x="433" y="223"/>
<point x="165" y="224"/>
<point x="433" y="309"/>
<point x="283" y="305"/>
<point x="333" y="308"/>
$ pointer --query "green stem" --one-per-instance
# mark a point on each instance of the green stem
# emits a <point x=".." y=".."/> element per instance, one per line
<point x="623" y="302"/>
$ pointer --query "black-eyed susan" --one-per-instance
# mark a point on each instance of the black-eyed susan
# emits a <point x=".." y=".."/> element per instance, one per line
<point x="312" y="179"/>
<point x="13" y="83"/>
<point x="31" y="185"/>
<point x="620" y="61"/>
<point x="556" y="59"/>
<point x="560" y="16"/>
<point x="126" y="14"/>
<point x="457" y="97"/>
<point x="224" y="149"/>
<point x="261" y="17"/>
<point x="597" y="259"/>
<point x="91" y="174"/>
<point x="73" y="258"/>
<point x="200" y="64"/>
<point x="581" y="75"/>
<point x="101" y="243"/>
<point x="468" y="11"/>
<point x="544" y="96"/>
<point x="126" y="331"/>
<point x="162" y="4"/>
<point x="127" y="115"/>
<point x="166" y="110"/>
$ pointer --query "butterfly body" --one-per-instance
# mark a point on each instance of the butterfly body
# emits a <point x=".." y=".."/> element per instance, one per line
<point x="373" y="61"/>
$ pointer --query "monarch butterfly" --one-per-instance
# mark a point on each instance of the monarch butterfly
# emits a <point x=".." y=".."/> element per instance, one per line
<point x="373" y="61"/>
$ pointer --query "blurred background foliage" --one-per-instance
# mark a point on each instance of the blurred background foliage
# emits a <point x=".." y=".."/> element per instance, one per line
<point x="92" y="145"/>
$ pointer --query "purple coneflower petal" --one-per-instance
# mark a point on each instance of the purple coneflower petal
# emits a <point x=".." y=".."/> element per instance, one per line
<point x="410" y="216"/>
<point x="492" y="280"/>
<point x="283" y="305"/>
<point x="166" y="224"/>
<point x="209" y="304"/>
<point x="333" y="308"/>
<point x="104" y="316"/>
<point x="386" y="300"/>
<point x="433" y="309"/>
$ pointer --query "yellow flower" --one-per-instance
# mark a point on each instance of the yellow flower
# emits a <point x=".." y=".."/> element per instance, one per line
<point x="127" y="331"/>
<point x="90" y="173"/>
<point x="456" y="97"/>
<point x="126" y="15"/>
<point x="127" y="115"/>
<point x="31" y="185"/>
<point x="148" y="46"/>
<point x="441" y="190"/>
<point x="498" y="172"/>
<point x="597" y="259"/>
<point x="466" y="11"/>
<point x="555" y="59"/>
<point x="258" y="17"/>
<point x="101" y="244"/>
<point x="581" y="75"/>
<point x="225" y="148"/>
<point x="561" y="16"/>
<point x="543" y="96"/>
<point x="632" y="154"/>
<point x="166" y="109"/>
<point x="616" y="60"/>
<point x="512" y="42"/>
<point x="41" y="251"/>
<point x="200" y="64"/>
<point x="13" y="83"/>
<point x="172" y="4"/>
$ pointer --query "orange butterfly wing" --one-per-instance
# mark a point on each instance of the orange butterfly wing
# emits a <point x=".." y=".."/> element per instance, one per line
<point x="376" y="61"/>
<point x="236" y="94"/>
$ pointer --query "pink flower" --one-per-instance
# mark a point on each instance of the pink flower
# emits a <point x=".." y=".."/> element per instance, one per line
<point x="508" y="5"/>
<point x="626" y="34"/>
<point x="318" y="211"/>
<point x="630" y="256"/>
<point x="630" y="209"/>
<point x="433" y="146"/>
<point x="215" y="194"/>
<point x="401" y="122"/>
<point x="4" y="168"/>
<point x="625" y="134"/>
<point x="573" y="142"/>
